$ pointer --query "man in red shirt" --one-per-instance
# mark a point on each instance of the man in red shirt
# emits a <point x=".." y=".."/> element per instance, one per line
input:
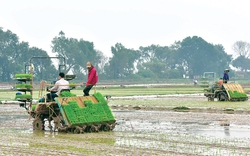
<point x="92" y="79"/>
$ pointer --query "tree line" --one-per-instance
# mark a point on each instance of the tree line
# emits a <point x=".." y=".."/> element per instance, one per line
<point x="188" y="58"/>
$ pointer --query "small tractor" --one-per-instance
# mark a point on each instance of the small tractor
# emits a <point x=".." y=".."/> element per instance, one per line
<point x="227" y="92"/>
<point x="66" y="113"/>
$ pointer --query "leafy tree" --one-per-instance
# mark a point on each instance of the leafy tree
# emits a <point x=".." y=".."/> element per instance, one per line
<point x="157" y="67"/>
<point x="77" y="53"/>
<point x="102" y="62"/>
<point x="242" y="63"/>
<point x="196" y="56"/>
<point x="121" y="64"/>
<point x="14" y="56"/>
<point x="8" y="54"/>
<point x="43" y="64"/>
<point x="146" y="73"/>
<point x="157" y="59"/>
<point x="173" y="74"/>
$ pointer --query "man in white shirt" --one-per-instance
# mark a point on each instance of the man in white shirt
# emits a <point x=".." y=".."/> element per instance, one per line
<point x="59" y="86"/>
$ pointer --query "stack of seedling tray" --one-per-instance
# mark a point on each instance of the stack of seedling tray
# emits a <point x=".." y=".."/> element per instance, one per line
<point x="23" y="86"/>
<point x="85" y="110"/>
<point x="25" y="77"/>
<point x="235" y="92"/>
<point x="23" y="97"/>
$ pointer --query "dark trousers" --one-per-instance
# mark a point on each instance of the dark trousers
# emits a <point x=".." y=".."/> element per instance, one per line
<point x="51" y="96"/>
<point x="87" y="89"/>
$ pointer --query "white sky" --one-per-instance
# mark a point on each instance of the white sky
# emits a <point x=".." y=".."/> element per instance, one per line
<point x="132" y="23"/>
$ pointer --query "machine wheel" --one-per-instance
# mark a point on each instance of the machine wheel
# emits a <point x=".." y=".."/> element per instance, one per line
<point x="222" y="96"/>
<point x="94" y="128"/>
<point x="107" y="127"/>
<point x="210" y="99"/>
<point x="38" y="124"/>
<point x="77" y="131"/>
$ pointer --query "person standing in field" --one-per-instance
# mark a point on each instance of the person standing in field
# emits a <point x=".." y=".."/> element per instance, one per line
<point x="92" y="79"/>
<point x="225" y="76"/>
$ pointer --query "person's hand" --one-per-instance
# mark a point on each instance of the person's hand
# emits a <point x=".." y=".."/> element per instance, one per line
<point x="48" y="90"/>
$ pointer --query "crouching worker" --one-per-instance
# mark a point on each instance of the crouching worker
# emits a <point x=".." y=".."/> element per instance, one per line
<point x="60" y="85"/>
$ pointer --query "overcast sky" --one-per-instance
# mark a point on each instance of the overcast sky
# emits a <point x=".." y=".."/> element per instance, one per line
<point x="132" y="23"/>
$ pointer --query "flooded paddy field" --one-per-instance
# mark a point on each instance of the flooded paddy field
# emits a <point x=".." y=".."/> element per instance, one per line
<point x="139" y="131"/>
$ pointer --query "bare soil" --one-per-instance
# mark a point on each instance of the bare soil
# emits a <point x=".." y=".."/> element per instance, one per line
<point x="140" y="131"/>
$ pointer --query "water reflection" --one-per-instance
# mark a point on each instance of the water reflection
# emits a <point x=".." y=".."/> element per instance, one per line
<point x="227" y="131"/>
<point x="213" y="129"/>
<point x="46" y="134"/>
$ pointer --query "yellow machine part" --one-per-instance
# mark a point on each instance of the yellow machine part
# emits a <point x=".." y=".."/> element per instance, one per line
<point x="234" y="87"/>
<point x="80" y="100"/>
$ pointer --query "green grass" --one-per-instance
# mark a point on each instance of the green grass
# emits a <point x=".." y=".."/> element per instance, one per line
<point x="152" y="90"/>
<point x="191" y="103"/>
<point x="163" y="90"/>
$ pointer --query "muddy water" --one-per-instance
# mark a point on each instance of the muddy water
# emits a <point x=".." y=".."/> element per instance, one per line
<point x="203" y="124"/>
<point x="196" y="123"/>
<point x="137" y="133"/>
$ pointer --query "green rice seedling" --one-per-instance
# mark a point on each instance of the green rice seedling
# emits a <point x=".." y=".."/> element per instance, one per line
<point x="24" y="96"/>
<point x="26" y="86"/>
<point x="23" y="76"/>
<point x="236" y="94"/>
<point x="33" y="107"/>
<point x="67" y="94"/>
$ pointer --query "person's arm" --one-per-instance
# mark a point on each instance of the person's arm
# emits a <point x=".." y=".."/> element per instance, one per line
<point x="55" y="86"/>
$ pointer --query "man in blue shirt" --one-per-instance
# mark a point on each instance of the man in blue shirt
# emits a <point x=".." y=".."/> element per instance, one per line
<point x="225" y="76"/>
